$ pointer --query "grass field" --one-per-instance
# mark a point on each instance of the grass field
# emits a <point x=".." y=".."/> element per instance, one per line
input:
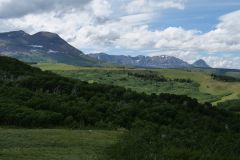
<point x="205" y="89"/>
<point x="57" y="66"/>
<point x="54" y="144"/>
<point x="227" y="90"/>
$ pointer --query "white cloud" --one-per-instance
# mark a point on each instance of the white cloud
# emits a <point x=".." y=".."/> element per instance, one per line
<point x="223" y="62"/>
<point x="94" y="25"/>
<point x="101" y="8"/>
<point x="137" y="19"/>
<point x="225" y="37"/>
<point x="141" y="6"/>
<point x="19" y="8"/>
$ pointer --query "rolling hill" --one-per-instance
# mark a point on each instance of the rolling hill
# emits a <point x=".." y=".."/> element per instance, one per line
<point x="137" y="109"/>
<point x="31" y="98"/>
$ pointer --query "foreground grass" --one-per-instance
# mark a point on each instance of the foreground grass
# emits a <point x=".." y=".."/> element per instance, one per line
<point x="54" y="144"/>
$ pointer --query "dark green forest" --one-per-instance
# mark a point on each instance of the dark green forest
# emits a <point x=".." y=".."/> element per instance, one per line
<point x="224" y="78"/>
<point x="151" y="75"/>
<point x="164" y="126"/>
<point x="232" y="105"/>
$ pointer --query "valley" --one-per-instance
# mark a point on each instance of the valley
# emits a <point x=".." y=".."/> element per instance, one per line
<point x="202" y="87"/>
<point x="112" y="114"/>
<point x="119" y="80"/>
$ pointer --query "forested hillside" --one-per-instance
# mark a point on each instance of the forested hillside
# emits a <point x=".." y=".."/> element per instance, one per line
<point x="161" y="126"/>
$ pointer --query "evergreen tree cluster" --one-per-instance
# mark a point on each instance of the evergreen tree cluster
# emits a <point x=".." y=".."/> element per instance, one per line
<point x="152" y="76"/>
<point x="224" y="78"/>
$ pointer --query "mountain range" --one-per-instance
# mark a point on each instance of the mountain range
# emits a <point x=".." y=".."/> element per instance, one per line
<point x="162" y="61"/>
<point x="50" y="47"/>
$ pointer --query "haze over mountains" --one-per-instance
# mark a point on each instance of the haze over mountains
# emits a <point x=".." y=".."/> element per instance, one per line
<point x="50" y="47"/>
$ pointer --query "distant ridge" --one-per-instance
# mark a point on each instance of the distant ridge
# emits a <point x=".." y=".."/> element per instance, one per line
<point x="201" y="64"/>
<point x="42" y="47"/>
<point x="146" y="61"/>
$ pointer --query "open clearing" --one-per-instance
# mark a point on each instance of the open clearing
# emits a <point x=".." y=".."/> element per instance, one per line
<point x="55" y="144"/>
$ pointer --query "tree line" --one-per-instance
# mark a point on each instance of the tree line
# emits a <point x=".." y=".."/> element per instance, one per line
<point x="158" y="78"/>
<point x="224" y="78"/>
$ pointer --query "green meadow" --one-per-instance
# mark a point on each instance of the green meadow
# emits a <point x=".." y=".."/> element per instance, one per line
<point x="203" y="88"/>
<point x="55" y="144"/>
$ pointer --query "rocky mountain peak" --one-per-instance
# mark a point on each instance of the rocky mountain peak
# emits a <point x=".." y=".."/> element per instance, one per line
<point x="201" y="64"/>
<point x="46" y="35"/>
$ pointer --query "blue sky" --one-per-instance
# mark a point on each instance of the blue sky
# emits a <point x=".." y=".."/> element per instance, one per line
<point x="187" y="29"/>
<point x="198" y="14"/>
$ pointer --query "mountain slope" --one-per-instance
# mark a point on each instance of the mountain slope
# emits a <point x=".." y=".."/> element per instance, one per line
<point x="42" y="47"/>
<point x="201" y="64"/>
<point x="142" y="61"/>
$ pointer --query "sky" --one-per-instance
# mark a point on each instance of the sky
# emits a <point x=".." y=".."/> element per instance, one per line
<point x="187" y="29"/>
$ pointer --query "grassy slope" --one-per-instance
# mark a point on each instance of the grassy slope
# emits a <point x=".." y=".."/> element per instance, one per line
<point x="210" y="90"/>
<point x="115" y="77"/>
<point x="57" y="66"/>
<point x="233" y="74"/>
<point x="228" y="90"/>
<point x="54" y="144"/>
